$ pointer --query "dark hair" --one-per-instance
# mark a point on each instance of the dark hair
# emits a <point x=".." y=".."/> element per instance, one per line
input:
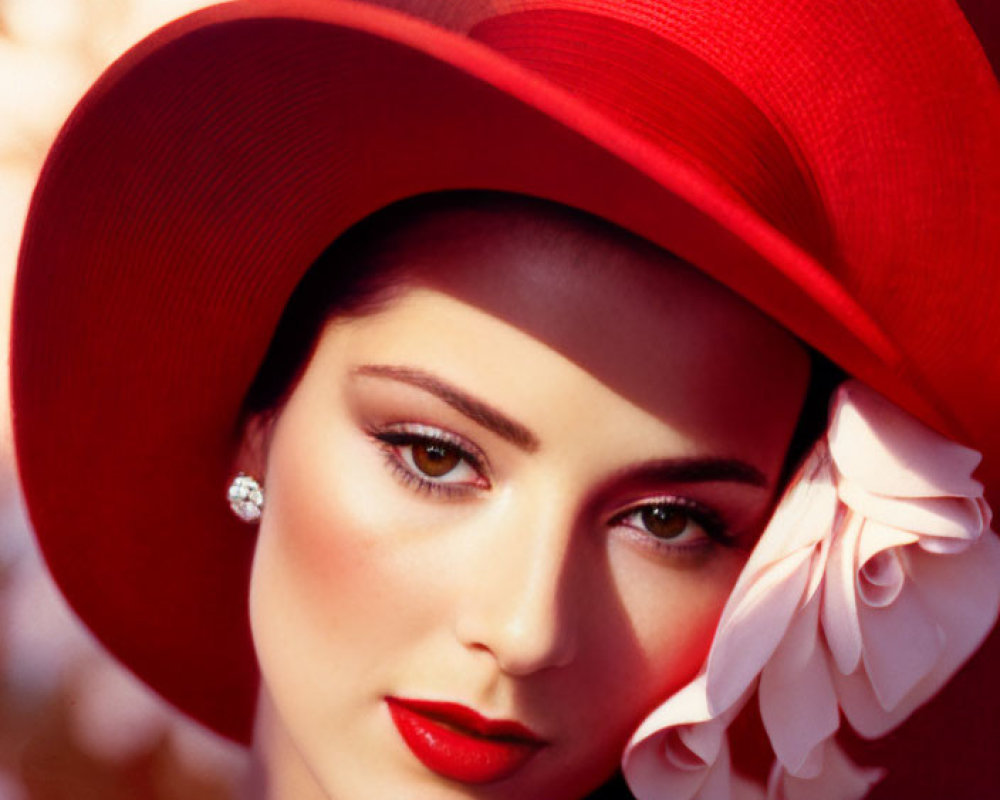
<point x="348" y="279"/>
<point x="341" y="282"/>
<point x="824" y="377"/>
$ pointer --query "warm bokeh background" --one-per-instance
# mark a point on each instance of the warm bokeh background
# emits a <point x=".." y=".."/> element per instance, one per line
<point x="72" y="723"/>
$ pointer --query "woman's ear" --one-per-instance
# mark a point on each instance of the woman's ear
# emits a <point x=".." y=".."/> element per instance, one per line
<point x="255" y="441"/>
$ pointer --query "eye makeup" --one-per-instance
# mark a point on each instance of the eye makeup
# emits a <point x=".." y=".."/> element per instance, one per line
<point x="477" y="410"/>
<point x="440" y="463"/>
<point x="673" y="525"/>
<point x="432" y="460"/>
<point x="425" y="454"/>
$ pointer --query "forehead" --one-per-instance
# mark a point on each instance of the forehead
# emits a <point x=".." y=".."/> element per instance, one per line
<point x="641" y="322"/>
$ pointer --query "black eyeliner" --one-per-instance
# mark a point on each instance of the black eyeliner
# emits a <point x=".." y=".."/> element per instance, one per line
<point x="388" y="438"/>
<point x="406" y="438"/>
<point x="710" y="520"/>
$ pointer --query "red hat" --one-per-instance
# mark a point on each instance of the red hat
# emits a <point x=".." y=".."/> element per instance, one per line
<point x="836" y="166"/>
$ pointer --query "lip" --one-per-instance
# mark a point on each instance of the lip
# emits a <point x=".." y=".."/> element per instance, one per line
<point x="458" y="743"/>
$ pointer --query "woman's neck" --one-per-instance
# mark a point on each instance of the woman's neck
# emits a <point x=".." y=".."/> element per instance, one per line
<point x="277" y="770"/>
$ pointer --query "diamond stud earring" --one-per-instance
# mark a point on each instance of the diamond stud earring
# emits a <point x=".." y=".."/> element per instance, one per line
<point x="246" y="498"/>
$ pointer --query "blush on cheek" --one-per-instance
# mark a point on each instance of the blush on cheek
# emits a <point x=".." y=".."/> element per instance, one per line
<point x="337" y="542"/>
<point x="324" y="554"/>
<point x="674" y="614"/>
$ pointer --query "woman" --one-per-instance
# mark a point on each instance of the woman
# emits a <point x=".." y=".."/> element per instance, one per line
<point x="505" y="517"/>
<point x="510" y="559"/>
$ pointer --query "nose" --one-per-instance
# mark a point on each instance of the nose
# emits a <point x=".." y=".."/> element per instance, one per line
<point x="517" y="605"/>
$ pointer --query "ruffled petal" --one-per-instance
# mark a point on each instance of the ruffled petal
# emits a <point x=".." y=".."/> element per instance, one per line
<point x="877" y="445"/>
<point x="903" y="642"/>
<point x="680" y="751"/>
<point x="880" y="571"/>
<point x="785" y="568"/>
<point x="962" y="589"/>
<point x="710" y="780"/>
<point x="718" y="783"/>
<point x="838" y="779"/>
<point x="946" y="545"/>
<point x="797" y="700"/>
<point x="875" y="579"/>
<point x="963" y="594"/>
<point x="754" y="628"/>
<point x="945" y="517"/>
<point x="839" y="614"/>
<point x="920" y="512"/>
<point x="746" y="789"/>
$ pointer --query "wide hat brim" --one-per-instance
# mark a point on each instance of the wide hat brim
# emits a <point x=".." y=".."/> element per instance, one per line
<point x="201" y="176"/>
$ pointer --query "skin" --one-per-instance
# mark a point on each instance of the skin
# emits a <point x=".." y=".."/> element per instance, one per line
<point x="532" y="589"/>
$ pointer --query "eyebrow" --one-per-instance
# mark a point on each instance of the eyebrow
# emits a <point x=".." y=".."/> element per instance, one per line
<point x="673" y="470"/>
<point x="478" y="411"/>
<point x="695" y="470"/>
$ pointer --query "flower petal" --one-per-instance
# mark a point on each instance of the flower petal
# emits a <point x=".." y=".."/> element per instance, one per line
<point x="687" y="706"/>
<point x="952" y="517"/>
<point x="876" y="537"/>
<point x="880" y="573"/>
<point x="947" y="545"/>
<point x="651" y="776"/>
<point x="782" y="572"/>
<point x="839" y="614"/>
<point x="903" y="642"/>
<point x="962" y="589"/>
<point x="963" y="593"/>
<point x="840" y="779"/>
<point x="881" y="579"/>
<point x="679" y="751"/>
<point x="797" y="701"/>
<point x="746" y="789"/>
<point x="718" y="783"/>
<point x="889" y="452"/>
<point x="749" y="633"/>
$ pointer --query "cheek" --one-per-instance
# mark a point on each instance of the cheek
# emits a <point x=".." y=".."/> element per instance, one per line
<point x="646" y="630"/>
<point x="673" y="612"/>
<point x="327" y="584"/>
<point x="311" y="557"/>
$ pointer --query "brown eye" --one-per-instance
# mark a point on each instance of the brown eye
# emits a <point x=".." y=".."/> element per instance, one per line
<point x="673" y="526"/>
<point x="434" y="459"/>
<point x="425" y="458"/>
<point x="664" y="522"/>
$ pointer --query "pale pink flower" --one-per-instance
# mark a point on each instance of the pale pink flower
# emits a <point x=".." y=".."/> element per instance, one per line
<point x="681" y="751"/>
<point x="876" y="578"/>
<point x="839" y="779"/>
<point x="913" y="582"/>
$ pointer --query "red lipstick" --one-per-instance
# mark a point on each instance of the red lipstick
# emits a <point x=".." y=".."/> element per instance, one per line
<point x="457" y="743"/>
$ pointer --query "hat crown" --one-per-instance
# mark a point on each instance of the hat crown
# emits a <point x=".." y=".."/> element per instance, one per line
<point x="672" y="97"/>
<point x="851" y="132"/>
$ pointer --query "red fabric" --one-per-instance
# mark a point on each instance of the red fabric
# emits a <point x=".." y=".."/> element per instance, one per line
<point x="859" y="205"/>
<point x="984" y="16"/>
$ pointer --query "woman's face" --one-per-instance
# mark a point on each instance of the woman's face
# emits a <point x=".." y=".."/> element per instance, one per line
<point x="520" y="490"/>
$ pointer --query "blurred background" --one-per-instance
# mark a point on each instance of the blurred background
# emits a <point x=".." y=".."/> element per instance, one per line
<point x="72" y="723"/>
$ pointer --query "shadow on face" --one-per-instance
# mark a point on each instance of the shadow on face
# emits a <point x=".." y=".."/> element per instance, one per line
<point x="644" y="323"/>
<point x="522" y="479"/>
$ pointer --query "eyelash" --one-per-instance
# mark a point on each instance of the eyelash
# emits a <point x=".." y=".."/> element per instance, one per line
<point x="396" y="437"/>
<point x="704" y="517"/>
